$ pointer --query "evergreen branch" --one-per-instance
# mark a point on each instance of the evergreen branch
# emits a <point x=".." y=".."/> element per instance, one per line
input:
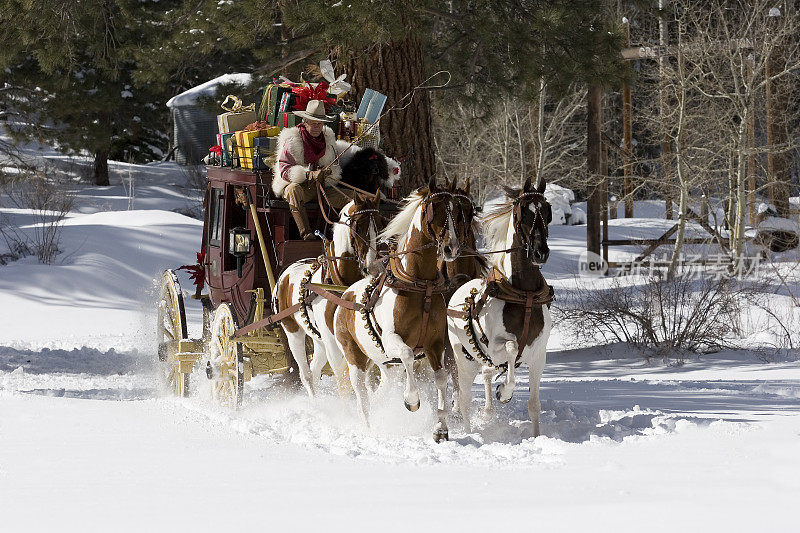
<point x="441" y="14"/>
<point x="273" y="68"/>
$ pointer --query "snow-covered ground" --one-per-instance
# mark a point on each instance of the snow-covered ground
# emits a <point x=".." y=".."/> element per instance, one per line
<point x="89" y="443"/>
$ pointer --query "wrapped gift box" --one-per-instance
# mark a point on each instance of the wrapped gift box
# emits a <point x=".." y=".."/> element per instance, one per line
<point x="244" y="146"/>
<point x="278" y="101"/>
<point x="289" y="120"/>
<point x="232" y="121"/>
<point x="224" y="140"/>
<point x="368" y="135"/>
<point x="264" y="151"/>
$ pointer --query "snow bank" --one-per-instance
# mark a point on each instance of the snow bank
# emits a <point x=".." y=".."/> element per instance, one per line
<point x="560" y="199"/>
<point x="208" y="88"/>
<point x="779" y="224"/>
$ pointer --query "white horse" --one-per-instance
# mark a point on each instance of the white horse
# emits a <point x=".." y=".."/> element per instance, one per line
<point x="401" y="314"/>
<point x="498" y="322"/>
<point x="345" y="261"/>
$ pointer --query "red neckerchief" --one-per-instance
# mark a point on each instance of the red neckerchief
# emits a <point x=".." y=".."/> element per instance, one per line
<point x="313" y="147"/>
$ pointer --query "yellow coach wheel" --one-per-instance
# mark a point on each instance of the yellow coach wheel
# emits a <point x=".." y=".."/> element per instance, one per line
<point x="170" y="330"/>
<point x="224" y="366"/>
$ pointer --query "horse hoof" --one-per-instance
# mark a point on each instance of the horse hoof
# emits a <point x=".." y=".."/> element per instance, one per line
<point x="499" y="398"/>
<point x="412" y="408"/>
<point x="440" y="435"/>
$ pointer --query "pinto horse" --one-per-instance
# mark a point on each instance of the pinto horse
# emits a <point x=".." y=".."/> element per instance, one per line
<point x="346" y="260"/>
<point x="401" y="313"/>
<point x="500" y="321"/>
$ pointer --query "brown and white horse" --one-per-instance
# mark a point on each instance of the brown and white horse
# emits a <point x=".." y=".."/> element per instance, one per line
<point x="470" y="264"/>
<point x="496" y="323"/>
<point x="401" y="313"/>
<point x="346" y="260"/>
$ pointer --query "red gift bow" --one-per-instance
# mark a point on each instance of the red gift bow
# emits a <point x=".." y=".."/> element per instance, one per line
<point x="197" y="273"/>
<point x="305" y="93"/>
<point x="217" y="149"/>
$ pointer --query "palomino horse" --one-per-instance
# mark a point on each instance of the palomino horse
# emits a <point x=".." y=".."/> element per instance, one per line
<point x="345" y="261"/>
<point x="401" y="313"/>
<point x="503" y="320"/>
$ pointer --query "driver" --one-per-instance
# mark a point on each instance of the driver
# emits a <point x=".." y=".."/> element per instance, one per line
<point x="305" y="154"/>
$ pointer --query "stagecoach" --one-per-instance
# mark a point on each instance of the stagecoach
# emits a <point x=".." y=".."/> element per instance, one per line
<point x="249" y="237"/>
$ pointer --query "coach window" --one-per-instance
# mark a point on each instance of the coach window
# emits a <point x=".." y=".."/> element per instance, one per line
<point x="215" y="218"/>
<point x="235" y="217"/>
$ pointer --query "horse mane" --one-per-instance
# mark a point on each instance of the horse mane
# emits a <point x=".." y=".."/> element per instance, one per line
<point x="496" y="222"/>
<point x="401" y="223"/>
<point x="341" y="232"/>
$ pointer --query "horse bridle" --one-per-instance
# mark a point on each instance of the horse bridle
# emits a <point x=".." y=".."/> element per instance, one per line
<point x="375" y="217"/>
<point x="522" y="202"/>
<point x="430" y="200"/>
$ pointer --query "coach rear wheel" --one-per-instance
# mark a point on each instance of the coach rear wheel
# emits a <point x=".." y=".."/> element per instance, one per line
<point x="170" y="330"/>
<point x="224" y="366"/>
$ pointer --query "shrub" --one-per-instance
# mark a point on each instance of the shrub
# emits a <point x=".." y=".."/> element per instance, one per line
<point x="668" y="317"/>
<point x="48" y="195"/>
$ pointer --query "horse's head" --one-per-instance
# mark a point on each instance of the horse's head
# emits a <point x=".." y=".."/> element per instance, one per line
<point x="447" y="219"/>
<point x="470" y="264"/>
<point x="367" y="169"/>
<point x="364" y="220"/>
<point x="532" y="214"/>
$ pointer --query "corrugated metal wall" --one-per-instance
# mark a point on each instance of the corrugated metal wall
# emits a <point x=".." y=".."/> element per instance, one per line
<point x="195" y="132"/>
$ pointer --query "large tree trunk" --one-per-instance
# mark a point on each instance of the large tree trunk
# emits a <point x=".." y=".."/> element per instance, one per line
<point x="778" y="165"/>
<point x="100" y="174"/>
<point x="395" y="69"/>
<point x="594" y="99"/>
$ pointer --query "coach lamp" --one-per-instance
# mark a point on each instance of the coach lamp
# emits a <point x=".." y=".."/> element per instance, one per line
<point x="239" y="246"/>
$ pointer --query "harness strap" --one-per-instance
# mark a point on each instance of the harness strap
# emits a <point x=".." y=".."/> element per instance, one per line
<point x="426" y="312"/>
<point x="332" y="270"/>
<point x="331" y="297"/>
<point x="455" y="313"/>
<point x="526" y="329"/>
<point x="268" y="321"/>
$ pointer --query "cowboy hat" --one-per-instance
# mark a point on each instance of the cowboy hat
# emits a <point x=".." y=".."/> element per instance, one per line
<point x="315" y="111"/>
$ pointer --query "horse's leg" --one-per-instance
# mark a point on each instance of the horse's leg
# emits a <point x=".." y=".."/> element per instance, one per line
<point x="333" y="352"/>
<point x="382" y="376"/>
<point x="534" y="405"/>
<point x="488" y="406"/>
<point x="440" y="431"/>
<point x="338" y="364"/>
<point x="358" y="380"/>
<point x="465" y="379"/>
<point x="506" y="390"/>
<point x="297" y="345"/>
<point x="318" y="360"/>
<point x="452" y="370"/>
<point x="395" y="347"/>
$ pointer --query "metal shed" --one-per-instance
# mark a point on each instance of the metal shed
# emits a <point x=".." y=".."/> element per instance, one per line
<point x="194" y="128"/>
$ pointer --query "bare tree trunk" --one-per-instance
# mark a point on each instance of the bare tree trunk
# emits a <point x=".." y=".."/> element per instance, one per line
<point x="540" y="129"/>
<point x="779" y="175"/>
<point x="396" y="68"/>
<point x="683" y="206"/>
<point x="751" y="157"/>
<point x="100" y="172"/>
<point x="741" y="192"/>
<point x="594" y="123"/>
<point x="666" y="162"/>
<point x="627" y="136"/>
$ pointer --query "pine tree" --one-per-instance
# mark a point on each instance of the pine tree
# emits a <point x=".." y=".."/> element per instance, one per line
<point x="69" y="62"/>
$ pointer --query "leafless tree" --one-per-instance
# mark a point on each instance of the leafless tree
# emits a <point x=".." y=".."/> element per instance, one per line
<point x="513" y="140"/>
